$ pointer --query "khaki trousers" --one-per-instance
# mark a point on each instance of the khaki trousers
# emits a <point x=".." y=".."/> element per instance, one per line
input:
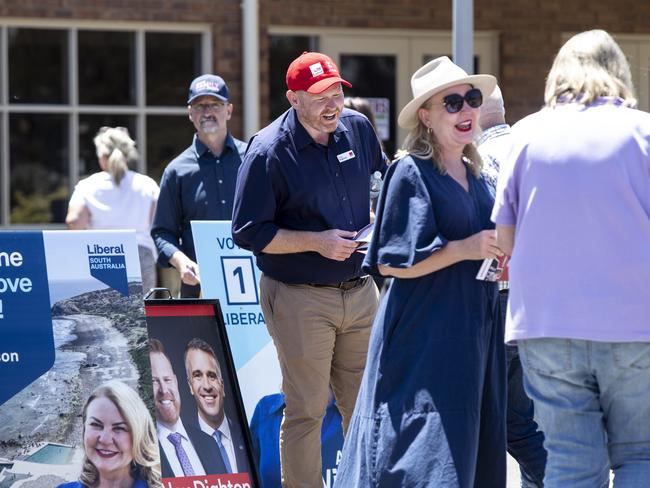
<point x="321" y="335"/>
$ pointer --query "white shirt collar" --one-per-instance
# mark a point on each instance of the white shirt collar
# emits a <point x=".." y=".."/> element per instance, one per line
<point x="223" y="427"/>
<point x="164" y="431"/>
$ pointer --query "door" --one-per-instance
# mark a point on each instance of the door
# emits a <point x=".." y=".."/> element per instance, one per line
<point x="378" y="69"/>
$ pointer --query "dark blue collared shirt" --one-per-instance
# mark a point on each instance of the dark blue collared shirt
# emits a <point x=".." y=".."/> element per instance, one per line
<point x="288" y="181"/>
<point x="196" y="185"/>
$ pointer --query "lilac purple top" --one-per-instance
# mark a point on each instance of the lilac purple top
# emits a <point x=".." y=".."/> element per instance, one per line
<point x="577" y="189"/>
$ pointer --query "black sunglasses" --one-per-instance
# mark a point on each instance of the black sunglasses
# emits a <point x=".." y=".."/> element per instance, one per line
<point x="454" y="102"/>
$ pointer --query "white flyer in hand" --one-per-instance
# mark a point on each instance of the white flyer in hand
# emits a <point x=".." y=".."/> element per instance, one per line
<point x="364" y="236"/>
<point x="494" y="269"/>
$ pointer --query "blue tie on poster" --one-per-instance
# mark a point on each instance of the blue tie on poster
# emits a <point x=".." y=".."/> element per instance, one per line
<point x="27" y="345"/>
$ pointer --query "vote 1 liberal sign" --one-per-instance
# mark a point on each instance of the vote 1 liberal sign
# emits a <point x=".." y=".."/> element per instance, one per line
<point x="229" y="274"/>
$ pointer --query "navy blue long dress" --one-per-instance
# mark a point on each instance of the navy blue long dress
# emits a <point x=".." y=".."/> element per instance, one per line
<point x="431" y="409"/>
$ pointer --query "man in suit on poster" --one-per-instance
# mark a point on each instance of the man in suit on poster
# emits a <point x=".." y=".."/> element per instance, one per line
<point x="206" y="385"/>
<point x="184" y="450"/>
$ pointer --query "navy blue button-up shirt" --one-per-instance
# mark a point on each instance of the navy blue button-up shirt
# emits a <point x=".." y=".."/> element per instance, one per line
<point x="288" y="181"/>
<point x="196" y="185"/>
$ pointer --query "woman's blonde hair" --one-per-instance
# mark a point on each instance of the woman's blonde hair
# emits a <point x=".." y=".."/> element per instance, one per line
<point x="146" y="459"/>
<point x="589" y="65"/>
<point x="117" y="146"/>
<point x="421" y="142"/>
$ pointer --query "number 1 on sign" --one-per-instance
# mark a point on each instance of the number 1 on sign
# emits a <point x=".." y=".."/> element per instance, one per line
<point x="240" y="274"/>
<point x="239" y="280"/>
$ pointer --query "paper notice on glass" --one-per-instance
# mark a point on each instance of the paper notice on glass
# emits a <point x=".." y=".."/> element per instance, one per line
<point x="381" y="110"/>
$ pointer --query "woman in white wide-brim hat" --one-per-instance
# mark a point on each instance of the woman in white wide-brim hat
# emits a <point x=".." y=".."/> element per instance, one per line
<point x="431" y="409"/>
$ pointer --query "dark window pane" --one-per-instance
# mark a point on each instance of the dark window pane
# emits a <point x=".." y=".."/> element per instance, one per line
<point x="373" y="76"/>
<point x="167" y="137"/>
<point x="173" y="61"/>
<point x="283" y="50"/>
<point x="88" y="127"/>
<point x="106" y="68"/>
<point x="38" y="168"/>
<point x="38" y="66"/>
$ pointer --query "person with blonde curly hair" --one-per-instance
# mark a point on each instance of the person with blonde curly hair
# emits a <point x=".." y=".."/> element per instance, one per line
<point x="119" y="439"/>
<point x="118" y="197"/>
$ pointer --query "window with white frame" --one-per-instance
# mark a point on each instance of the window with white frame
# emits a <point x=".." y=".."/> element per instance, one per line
<point x="59" y="84"/>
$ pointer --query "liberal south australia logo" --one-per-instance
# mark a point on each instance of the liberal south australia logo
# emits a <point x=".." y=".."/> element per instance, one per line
<point x="108" y="265"/>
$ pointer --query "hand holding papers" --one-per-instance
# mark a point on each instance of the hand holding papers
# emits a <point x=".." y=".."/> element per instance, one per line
<point x="364" y="236"/>
<point x="495" y="269"/>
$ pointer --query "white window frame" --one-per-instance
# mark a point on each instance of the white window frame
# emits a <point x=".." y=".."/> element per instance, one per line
<point x="139" y="110"/>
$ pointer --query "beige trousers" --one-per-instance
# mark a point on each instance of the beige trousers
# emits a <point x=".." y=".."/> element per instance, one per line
<point x="321" y="335"/>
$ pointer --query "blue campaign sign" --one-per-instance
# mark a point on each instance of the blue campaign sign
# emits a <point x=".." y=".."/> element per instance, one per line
<point x="66" y="328"/>
<point x="27" y="345"/>
<point x="229" y="274"/>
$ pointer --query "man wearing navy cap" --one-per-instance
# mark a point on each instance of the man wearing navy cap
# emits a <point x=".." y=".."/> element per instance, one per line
<point x="199" y="184"/>
<point x="303" y="191"/>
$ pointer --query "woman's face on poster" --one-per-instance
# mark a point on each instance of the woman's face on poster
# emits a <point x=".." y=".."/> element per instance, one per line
<point x="108" y="441"/>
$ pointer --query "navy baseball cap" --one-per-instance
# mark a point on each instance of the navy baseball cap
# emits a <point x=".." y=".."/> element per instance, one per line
<point x="208" y="85"/>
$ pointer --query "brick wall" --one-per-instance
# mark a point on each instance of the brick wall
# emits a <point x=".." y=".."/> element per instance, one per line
<point x="529" y="30"/>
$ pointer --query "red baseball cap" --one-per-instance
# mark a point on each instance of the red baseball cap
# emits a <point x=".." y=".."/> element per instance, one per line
<point x="313" y="73"/>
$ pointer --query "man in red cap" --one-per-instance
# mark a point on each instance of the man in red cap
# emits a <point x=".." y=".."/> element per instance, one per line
<point x="302" y="193"/>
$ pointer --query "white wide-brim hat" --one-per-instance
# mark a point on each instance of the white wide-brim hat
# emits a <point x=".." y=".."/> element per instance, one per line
<point x="435" y="76"/>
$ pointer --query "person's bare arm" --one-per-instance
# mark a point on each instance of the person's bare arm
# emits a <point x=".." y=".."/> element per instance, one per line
<point x="506" y="238"/>
<point x="333" y="244"/>
<point x="477" y="246"/>
<point x="78" y="217"/>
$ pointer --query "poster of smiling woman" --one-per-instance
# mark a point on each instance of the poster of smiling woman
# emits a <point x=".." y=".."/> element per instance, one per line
<point x="75" y="381"/>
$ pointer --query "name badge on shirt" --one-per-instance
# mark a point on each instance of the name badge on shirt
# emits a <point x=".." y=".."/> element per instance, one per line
<point x="345" y="156"/>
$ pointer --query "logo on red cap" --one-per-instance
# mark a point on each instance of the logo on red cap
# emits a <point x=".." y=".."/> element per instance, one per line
<point x="314" y="73"/>
<point x="316" y="69"/>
